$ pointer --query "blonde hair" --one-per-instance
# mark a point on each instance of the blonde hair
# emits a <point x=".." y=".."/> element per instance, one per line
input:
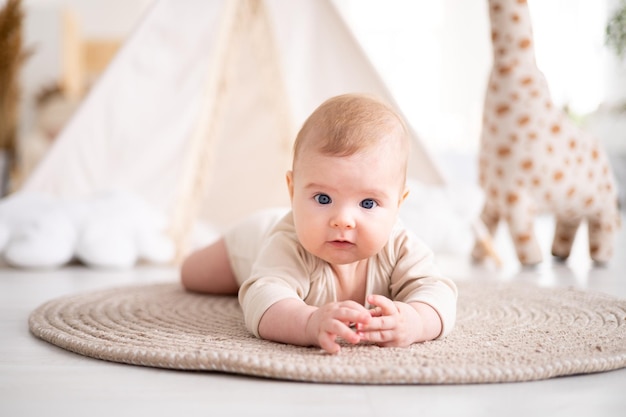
<point x="347" y="124"/>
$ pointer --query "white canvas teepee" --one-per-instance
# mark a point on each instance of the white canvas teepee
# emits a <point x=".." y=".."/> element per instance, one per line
<point x="197" y="113"/>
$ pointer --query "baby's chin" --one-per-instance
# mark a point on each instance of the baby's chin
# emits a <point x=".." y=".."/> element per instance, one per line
<point x="342" y="257"/>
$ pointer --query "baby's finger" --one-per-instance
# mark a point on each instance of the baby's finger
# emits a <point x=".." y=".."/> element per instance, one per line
<point x="384" y="305"/>
<point x="351" y="315"/>
<point x="327" y="342"/>
<point x="350" y="336"/>
<point x="376" y="312"/>
<point x="379" y="323"/>
<point x="334" y="329"/>
<point x="377" y="336"/>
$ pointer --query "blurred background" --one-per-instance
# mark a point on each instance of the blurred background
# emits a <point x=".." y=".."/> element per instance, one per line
<point x="434" y="57"/>
<point x="72" y="38"/>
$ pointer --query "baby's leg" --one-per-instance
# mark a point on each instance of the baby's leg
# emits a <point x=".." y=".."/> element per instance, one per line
<point x="208" y="270"/>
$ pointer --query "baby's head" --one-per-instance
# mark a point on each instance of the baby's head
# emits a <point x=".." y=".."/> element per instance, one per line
<point x="348" y="177"/>
<point x="352" y="123"/>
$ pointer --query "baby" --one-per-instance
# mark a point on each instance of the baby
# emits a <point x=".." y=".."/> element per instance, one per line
<point x="338" y="265"/>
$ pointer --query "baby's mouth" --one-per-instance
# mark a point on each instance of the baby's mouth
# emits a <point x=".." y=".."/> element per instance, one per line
<point x="339" y="243"/>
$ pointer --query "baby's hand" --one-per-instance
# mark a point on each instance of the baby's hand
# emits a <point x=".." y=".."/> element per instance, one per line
<point x="393" y="323"/>
<point x="333" y="320"/>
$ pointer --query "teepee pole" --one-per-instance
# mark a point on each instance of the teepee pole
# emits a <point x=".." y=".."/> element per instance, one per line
<point x="241" y="21"/>
<point x="269" y="57"/>
<point x="201" y="152"/>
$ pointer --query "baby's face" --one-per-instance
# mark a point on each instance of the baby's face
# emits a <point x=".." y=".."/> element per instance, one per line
<point x="345" y="207"/>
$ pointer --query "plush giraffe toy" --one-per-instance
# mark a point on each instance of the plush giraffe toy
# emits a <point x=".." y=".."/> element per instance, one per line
<point x="533" y="158"/>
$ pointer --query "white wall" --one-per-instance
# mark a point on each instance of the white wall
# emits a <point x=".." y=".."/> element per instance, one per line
<point x="433" y="55"/>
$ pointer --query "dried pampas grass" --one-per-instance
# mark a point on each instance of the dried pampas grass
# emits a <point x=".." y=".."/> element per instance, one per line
<point x="11" y="59"/>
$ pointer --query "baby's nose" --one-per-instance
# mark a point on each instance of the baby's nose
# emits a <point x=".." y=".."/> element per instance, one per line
<point x="343" y="219"/>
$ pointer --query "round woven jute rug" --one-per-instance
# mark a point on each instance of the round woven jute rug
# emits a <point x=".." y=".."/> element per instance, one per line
<point x="505" y="332"/>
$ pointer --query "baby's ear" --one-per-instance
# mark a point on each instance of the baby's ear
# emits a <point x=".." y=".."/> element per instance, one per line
<point x="404" y="195"/>
<point x="289" y="177"/>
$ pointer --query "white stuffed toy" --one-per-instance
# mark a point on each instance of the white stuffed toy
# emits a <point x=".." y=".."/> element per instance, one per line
<point x="36" y="231"/>
<point x="110" y="230"/>
<point x="534" y="159"/>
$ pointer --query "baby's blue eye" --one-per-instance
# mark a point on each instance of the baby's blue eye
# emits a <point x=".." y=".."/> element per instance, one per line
<point x="368" y="203"/>
<point x="322" y="199"/>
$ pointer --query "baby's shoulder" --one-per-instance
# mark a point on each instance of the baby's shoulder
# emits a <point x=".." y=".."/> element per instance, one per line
<point x="402" y="243"/>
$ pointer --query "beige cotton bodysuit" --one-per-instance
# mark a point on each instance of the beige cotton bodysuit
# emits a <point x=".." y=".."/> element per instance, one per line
<point x="271" y="265"/>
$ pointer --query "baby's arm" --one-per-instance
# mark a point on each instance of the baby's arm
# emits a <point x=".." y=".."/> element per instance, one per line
<point x="399" y="324"/>
<point x="421" y="304"/>
<point x="293" y="321"/>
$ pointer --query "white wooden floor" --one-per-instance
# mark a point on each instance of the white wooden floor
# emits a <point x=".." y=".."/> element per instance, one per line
<point x="39" y="379"/>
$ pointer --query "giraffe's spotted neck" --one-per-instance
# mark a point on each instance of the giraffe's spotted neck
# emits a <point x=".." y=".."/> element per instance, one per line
<point x="511" y="33"/>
